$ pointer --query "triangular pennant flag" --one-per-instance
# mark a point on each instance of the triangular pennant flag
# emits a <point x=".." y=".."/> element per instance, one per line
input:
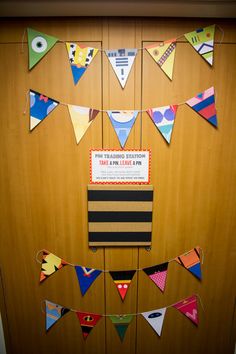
<point x="81" y="118"/>
<point x="122" y="281"/>
<point x="164" y="118"/>
<point x="204" y="104"/>
<point x="155" y="318"/>
<point x="53" y="313"/>
<point x="189" y="308"/>
<point x="122" y="61"/>
<point x="164" y="55"/>
<point x="87" y="322"/>
<point x="39" y="44"/>
<point x="80" y="57"/>
<point x="40" y="107"/>
<point x="191" y="261"/>
<point x="121" y="323"/>
<point x="50" y="264"/>
<point x="202" y="41"/>
<point x="86" y="277"/>
<point x="122" y="122"/>
<point x="158" y="274"/>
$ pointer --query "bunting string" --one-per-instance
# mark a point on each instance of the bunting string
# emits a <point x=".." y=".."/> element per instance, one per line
<point x="155" y="318"/>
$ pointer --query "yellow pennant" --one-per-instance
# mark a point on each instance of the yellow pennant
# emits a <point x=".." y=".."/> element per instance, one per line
<point x="164" y="55"/>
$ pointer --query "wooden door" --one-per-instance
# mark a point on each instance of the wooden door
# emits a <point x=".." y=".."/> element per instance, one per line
<point x="44" y="177"/>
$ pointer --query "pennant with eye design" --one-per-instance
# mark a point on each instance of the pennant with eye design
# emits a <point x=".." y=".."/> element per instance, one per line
<point x="122" y="281"/>
<point x="155" y="319"/>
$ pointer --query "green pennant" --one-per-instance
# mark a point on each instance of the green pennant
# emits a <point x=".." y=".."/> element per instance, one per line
<point x="121" y="323"/>
<point x="39" y="44"/>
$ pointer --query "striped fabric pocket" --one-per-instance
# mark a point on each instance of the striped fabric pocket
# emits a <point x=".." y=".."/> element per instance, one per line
<point x="120" y="215"/>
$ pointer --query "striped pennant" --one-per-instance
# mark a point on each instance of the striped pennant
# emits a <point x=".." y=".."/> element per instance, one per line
<point x="120" y="215"/>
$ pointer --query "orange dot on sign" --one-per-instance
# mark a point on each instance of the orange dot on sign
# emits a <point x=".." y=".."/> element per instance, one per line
<point x="208" y="34"/>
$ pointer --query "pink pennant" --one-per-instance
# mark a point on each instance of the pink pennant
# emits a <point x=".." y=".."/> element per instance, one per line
<point x="189" y="308"/>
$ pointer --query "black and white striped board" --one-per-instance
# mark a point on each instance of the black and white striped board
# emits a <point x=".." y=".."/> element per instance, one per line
<point x="120" y="215"/>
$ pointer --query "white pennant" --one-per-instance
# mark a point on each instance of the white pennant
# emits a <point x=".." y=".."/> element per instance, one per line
<point x="122" y="61"/>
<point x="155" y="318"/>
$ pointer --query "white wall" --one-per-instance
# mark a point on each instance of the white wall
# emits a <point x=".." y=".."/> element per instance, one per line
<point x="2" y="341"/>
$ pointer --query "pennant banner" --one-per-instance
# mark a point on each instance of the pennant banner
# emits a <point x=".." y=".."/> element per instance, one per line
<point x="80" y="57"/>
<point x="121" y="324"/>
<point x="164" y="55"/>
<point x="163" y="118"/>
<point x="122" y="280"/>
<point x="202" y="41"/>
<point x="121" y="61"/>
<point x="50" y="264"/>
<point x="122" y="122"/>
<point x="87" y="322"/>
<point x="189" y="308"/>
<point x="191" y="261"/>
<point x="53" y="313"/>
<point x="86" y="276"/>
<point x="39" y="44"/>
<point x="81" y="118"/>
<point x="158" y="274"/>
<point x="204" y="104"/>
<point x="40" y="107"/>
<point x="155" y="319"/>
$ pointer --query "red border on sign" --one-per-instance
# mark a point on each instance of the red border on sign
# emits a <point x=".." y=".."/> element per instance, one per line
<point x="90" y="166"/>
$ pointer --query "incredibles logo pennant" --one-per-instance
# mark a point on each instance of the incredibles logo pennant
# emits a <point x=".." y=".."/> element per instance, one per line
<point x="164" y="55"/>
<point x="191" y="261"/>
<point x="86" y="276"/>
<point x="121" y="323"/>
<point x="189" y="308"/>
<point x="50" y="264"/>
<point x="122" y="122"/>
<point x="202" y="41"/>
<point x="39" y="45"/>
<point x="53" y="313"/>
<point x="204" y="104"/>
<point x="80" y="57"/>
<point x="87" y="322"/>
<point x="40" y="107"/>
<point x="158" y="274"/>
<point x="122" y="281"/>
<point x="155" y="319"/>
<point x="122" y="61"/>
<point x="164" y="118"/>
<point x="81" y="118"/>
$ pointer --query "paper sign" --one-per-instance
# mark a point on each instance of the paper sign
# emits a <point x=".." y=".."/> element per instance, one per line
<point x="120" y="166"/>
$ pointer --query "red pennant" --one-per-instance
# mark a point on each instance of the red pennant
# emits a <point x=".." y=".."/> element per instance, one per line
<point x="87" y="322"/>
<point x="122" y="280"/>
<point x="189" y="308"/>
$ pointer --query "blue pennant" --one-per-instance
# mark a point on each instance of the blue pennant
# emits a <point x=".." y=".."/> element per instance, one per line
<point x="86" y="277"/>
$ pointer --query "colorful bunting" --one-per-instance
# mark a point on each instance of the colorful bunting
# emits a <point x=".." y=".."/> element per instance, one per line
<point x="191" y="261"/>
<point x="121" y="323"/>
<point x="204" y="104"/>
<point x="87" y="321"/>
<point x="86" y="276"/>
<point x="40" y="107"/>
<point x="189" y="308"/>
<point x="50" y="264"/>
<point x="122" y="280"/>
<point x="164" y="55"/>
<point x="155" y="318"/>
<point x="53" y="313"/>
<point x="158" y="274"/>
<point x="80" y="57"/>
<point x="202" y="41"/>
<point x="122" y="122"/>
<point x="39" y="44"/>
<point x="122" y="61"/>
<point x="163" y="118"/>
<point x="81" y="118"/>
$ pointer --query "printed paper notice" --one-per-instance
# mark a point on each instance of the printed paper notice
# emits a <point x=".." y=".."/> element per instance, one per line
<point x="120" y="166"/>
